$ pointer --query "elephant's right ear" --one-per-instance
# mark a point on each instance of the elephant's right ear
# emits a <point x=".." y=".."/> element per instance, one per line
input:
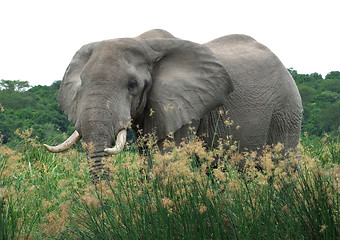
<point x="71" y="82"/>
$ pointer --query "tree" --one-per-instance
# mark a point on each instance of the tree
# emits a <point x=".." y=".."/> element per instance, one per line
<point x="329" y="118"/>
<point x="307" y="93"/>
<point x="36" y="108"/>
<point x="332" y="85"/>
<point x="333" y="75"/>
<point x="309" y="79"/>
<point x="15" y="85"/>
<point x="315" y="76"/>
<point x="320" y="99"/>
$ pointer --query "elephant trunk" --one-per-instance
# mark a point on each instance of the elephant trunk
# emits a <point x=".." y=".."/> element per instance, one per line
<point x="100" y="129"/>
<point x="97" y="150"/>
<point x="96" y="140"/>
<point x="96" y="165"/>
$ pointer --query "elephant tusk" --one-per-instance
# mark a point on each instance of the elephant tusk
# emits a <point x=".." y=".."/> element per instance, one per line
<point x="73" y="139"/>
<point x="120" y="142"/>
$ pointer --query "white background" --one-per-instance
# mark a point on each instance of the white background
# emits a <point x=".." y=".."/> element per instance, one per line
<point x="38" y="38"/>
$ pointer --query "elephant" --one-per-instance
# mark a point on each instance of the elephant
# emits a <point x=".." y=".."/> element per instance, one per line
<point x="164" y="85"/>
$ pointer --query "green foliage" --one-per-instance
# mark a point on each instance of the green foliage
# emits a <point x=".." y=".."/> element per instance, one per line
<point x="15" y="85"/>
<point x="333" y="75"/>
<point x="329" y="118"/>
<point x="321" y="102"/>
<point x="307" y="93"/>
<point x="309" y="79"/>
<point x="35" y="108"/>
<point x="332" y="85"/>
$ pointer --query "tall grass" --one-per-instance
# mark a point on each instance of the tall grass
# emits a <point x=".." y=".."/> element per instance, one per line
<point x="35" y="188"/>
<point x="325" y="149"/>
<point x="49" y="196"/>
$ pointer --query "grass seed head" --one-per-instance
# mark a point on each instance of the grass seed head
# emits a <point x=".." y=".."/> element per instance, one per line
<point x="202" y="209"/>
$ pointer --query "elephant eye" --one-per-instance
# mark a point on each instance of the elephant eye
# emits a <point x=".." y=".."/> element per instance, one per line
<point x="132" y="85"/>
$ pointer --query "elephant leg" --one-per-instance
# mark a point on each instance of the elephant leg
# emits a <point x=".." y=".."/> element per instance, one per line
<point x="250" y="127"/>
<point x="244" y="128"/>
<point x="285" y="128"/>
<point x="247" y="128"/>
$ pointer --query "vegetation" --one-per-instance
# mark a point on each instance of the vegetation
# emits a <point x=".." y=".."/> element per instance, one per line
<point x="35" y="108"/>
<point x="321" y="102"/>
<point x="51" y="196"/>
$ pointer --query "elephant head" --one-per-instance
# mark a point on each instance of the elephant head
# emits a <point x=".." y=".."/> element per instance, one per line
<point x="112" y="84"/>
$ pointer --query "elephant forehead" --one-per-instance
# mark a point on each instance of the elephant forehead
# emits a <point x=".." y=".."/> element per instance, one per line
<point x="115" y="57"/>
<point x="103" y="69"/>
<point x="122" y="48"/>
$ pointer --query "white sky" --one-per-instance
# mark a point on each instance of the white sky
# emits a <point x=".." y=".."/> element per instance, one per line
<point x="38" y="38"/>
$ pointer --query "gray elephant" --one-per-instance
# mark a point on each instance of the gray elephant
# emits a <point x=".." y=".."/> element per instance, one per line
<point x="112" y="84"/>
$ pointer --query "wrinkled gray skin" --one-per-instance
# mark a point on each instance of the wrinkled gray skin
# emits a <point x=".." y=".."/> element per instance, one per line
<point x="113" y="83"/>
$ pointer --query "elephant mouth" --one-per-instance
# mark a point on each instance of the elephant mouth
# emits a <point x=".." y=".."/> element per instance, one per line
<point x="75" y="137"/>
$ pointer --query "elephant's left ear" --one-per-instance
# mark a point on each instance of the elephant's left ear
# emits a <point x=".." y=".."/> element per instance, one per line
<point x="188" y="82"/>
<point x="71" y="82"/>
